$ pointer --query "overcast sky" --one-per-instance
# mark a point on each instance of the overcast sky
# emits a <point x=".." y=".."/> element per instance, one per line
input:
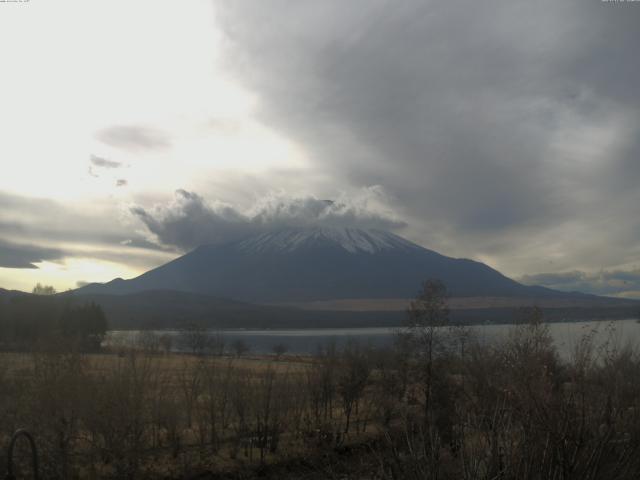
<point x="502" y="131"/>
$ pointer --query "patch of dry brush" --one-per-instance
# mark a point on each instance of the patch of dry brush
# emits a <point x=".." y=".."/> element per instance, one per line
<point x="438" y="405"/>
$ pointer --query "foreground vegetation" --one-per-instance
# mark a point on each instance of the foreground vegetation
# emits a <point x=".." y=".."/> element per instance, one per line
<point x="513" y="411"/>
<point x="437" y="405"/>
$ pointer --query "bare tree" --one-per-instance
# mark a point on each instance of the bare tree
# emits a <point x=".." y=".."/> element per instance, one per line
<point x="195" y="338"/>
<point x="190" y="382"/>
<point x="426" y="316"/>
<point x="148" y="341"/>
<point x="217" y="344"/>
<point x="40" y="289"/>
<point x="166" y="342"/>
<point x="279" y="350"/>
<point x="215" y="409"/>
<point x="353" y="379"/>
<point x="240" y="347"/>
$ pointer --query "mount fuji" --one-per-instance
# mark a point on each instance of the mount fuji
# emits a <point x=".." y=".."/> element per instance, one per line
<point x="318" y="264"/>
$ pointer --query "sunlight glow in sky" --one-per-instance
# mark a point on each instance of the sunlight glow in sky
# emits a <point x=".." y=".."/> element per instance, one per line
<point x="128" y="126"/>
<point x="72" y="70"/>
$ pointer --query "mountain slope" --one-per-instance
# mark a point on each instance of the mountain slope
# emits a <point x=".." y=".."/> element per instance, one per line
<point x="6" y="294"/>
<point x="319" y="264"/>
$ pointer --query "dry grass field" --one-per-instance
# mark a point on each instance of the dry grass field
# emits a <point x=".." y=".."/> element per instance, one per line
<point x="133" y="414"/>
<point x="437" y="405"/>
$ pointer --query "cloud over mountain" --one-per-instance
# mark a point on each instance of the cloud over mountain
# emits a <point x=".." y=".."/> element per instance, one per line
<point x="189" y="220"/>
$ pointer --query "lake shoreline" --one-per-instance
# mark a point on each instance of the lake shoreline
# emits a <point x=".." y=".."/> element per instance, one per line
<point x="308" y="341"/>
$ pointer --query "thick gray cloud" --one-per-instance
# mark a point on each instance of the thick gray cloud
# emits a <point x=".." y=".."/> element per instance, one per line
<point x="24" y="256"/>
<point x="190" y="221"/>
<point x="621" y="283"/>
<point x="134" y="138"/>
<point x="504" y="129"/>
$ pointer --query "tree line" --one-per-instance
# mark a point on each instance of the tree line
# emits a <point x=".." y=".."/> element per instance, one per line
<point x="27" y="321"/>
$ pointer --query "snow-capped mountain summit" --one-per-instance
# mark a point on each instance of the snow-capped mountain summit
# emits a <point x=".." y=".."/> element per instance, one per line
<point x="352" y="240"/>
<point x="307" y="264"/>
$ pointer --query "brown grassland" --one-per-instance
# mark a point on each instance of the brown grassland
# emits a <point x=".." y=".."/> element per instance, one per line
<point x="436" y="405"/>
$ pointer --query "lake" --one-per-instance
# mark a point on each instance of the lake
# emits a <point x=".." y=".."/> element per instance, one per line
<point x="565" y="335"/>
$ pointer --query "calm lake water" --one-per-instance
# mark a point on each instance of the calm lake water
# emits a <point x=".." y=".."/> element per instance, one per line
<point x="618" y="333"/>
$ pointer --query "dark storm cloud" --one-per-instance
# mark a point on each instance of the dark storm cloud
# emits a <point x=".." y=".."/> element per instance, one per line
<point x="190" y="221"/>
<point x="134" y="138"/>
<point x="624" y="283"/>
<point x="486" y="120"/>
<point x="103" y="162"/>
<point x="24" y="256"/>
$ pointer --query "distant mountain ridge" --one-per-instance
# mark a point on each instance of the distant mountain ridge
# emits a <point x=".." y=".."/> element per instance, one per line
<point x="315" y="264"/>
<point x="10" y="293"/>
<point x="158" y="309"/>
<point x="321" y="277"/>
